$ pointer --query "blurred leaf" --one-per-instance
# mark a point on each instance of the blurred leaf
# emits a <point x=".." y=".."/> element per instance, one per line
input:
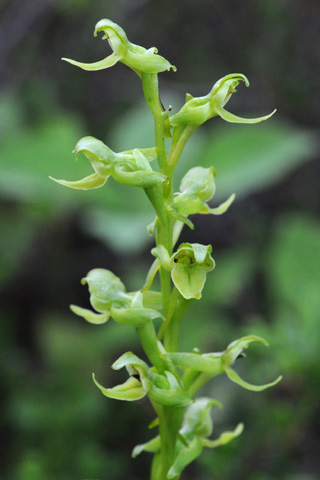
<point x="249" y="158"/>
<point x="292" y="268"/>
<point x="10" y="114"/>
<point x="123" y="231"/>
<point x="293" y="264"/>
<point x="229" y="278"/>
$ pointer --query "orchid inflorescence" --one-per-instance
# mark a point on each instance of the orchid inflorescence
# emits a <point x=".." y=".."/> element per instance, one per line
<point x="168" y="377"/>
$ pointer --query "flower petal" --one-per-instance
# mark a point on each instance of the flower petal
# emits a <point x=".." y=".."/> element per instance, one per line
<point x="100" y="65"/>
<point x="129" y="391"/>
<point x="234" y="377"/>
<point x="91" y="317"/>
<point x="185" y="456"/>
<point x="222" y="208"/>
<point x="87" y="183"/>
<point x="237" y="346"/>
<point x="152" y="446"/>
<point x="230" y="117"/>
<point x="224" y="438"/>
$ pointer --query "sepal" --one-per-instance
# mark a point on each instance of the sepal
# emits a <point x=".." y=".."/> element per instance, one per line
<point x="129" y="391"/>
<point x="224" y="438"/>
<point x="106" y="290"/>
<point x="88" y="183"/>
<point x="185" y="456"/>
<point x="89" y="316"/>
<point x="152" y="446"/>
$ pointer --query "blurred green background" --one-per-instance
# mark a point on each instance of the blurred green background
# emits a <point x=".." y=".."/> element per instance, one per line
<point x="55" y="424"/>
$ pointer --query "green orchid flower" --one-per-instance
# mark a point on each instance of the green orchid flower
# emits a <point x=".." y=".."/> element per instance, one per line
<point x="196" y="189"/>
<point x="189" y="266"/>
<point x="128" y="168"/>
<point x="161" y="389"/>
<point x="109" y="298"/>
<point x="198" y="110"/>
<point x="137" y="58"/>
<point x="196" y="427"/>
<point x="212" y="364"/>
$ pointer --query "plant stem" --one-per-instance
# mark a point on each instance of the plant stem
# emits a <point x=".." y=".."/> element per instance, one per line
<point x="170" y="420"/>
<point x="172" y="335"/>
<point x="180" y="137"/>
<point x="149" y="342"/>
<point x="150" y="87"/>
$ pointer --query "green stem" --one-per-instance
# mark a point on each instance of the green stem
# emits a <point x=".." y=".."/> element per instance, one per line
<point x="171" y="308"/>
<point x="150" y="87"/>
<point x="170" y="420"/>
<point x="200" y="380"/>
<point x="180" y="137"/>
<point x="172" y="335"/>
<point x="170" y="329"/>
<point x="149" y="342"/>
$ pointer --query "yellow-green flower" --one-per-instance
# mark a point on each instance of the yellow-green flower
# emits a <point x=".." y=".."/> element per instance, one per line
<point x="198" y="110"/>
<point x="138" y="58"/>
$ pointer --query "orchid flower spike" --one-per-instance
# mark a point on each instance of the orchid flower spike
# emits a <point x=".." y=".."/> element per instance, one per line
<point x="137" y="58"/>
<point x="198" y="110"/>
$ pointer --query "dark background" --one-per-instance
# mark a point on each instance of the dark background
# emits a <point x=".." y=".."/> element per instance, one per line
<point x="55" y="424"/>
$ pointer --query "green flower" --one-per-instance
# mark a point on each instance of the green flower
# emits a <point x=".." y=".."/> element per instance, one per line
<point x="198" y="110"/>
<point x="196" y="189"/>
<point x="134" y="56"/>
<point x="162" y="389"/>
<point x="128" y="168"/>
<point x="189" y="266"/>
<point x="196" y="427"/>
<point x="108" y="297"/>
<point x="212" y="364"/>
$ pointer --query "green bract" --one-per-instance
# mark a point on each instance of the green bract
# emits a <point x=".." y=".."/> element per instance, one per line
<point x="200" y="109"/>
<point x="168" y="377"/>
<point x="134" y="56"/>
<point x="129" y="168"/>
